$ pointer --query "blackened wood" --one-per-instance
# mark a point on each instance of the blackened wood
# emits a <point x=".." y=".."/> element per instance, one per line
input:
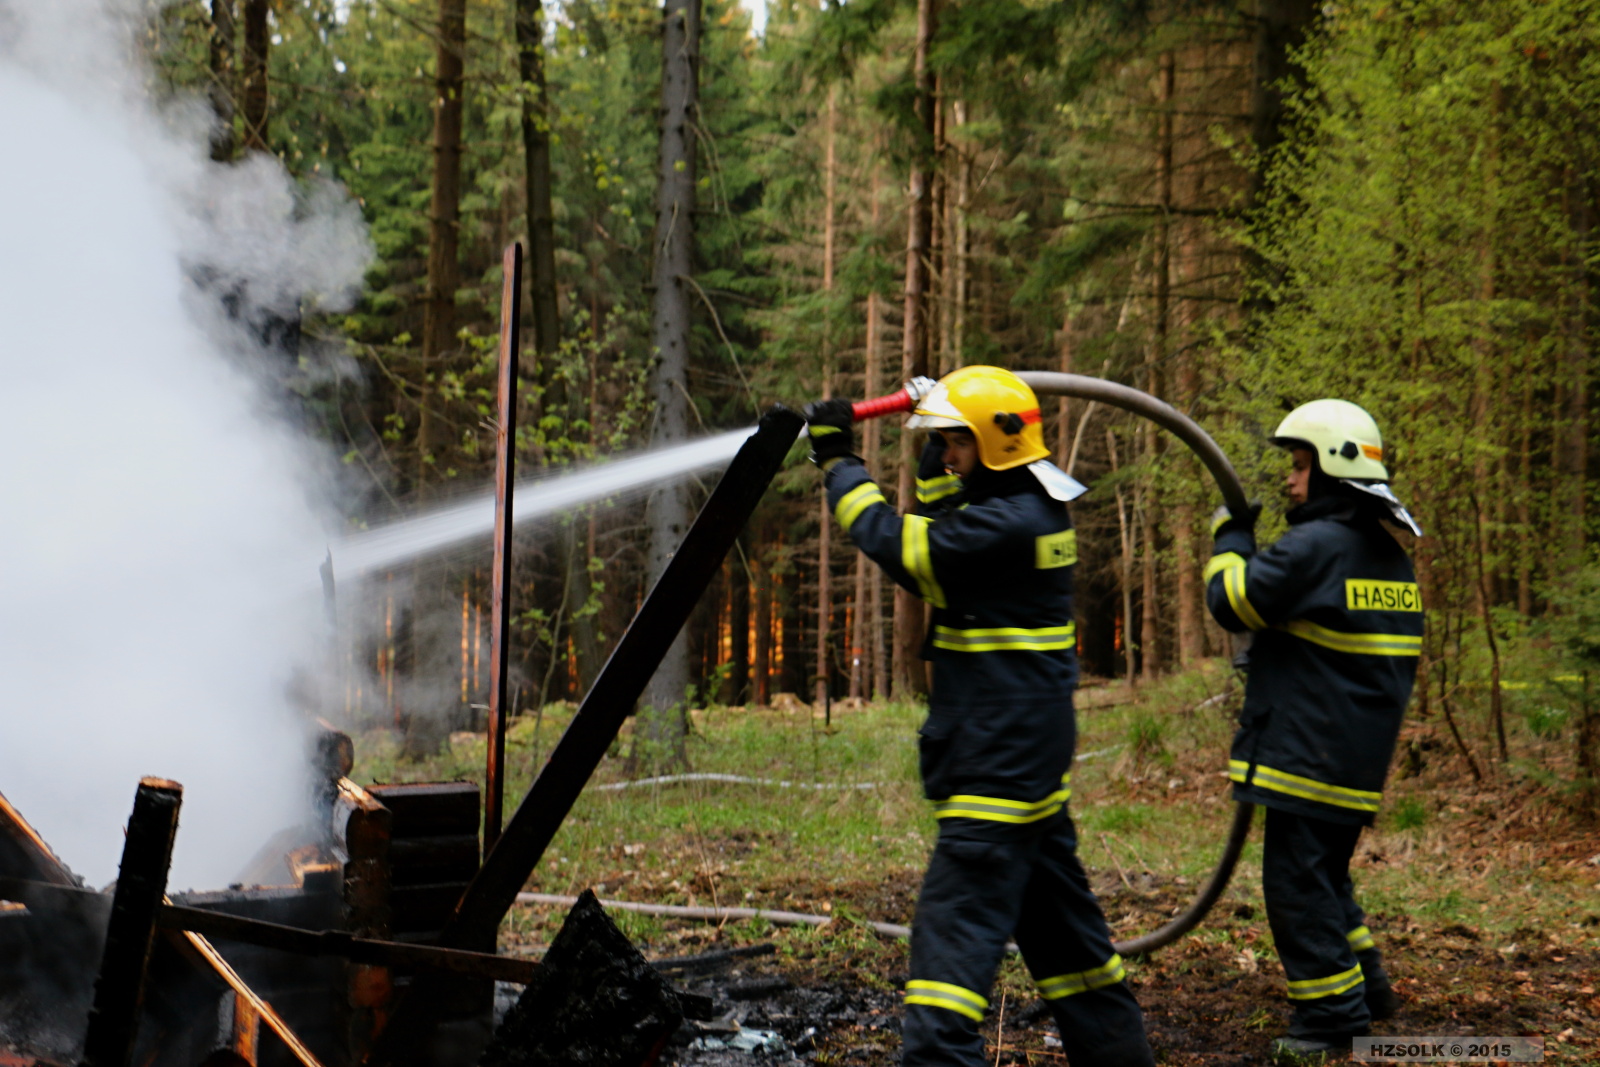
<point x="424" y="907"/>
<point x="594" y="727"/>
<point x="23" y="852"/>
<point x="141" y="885"/>
<point x="712" y="961"/>
<point x="363" y="829"/>
<point x="430" y="809"/>
<point x="596" y="1001"/>
<point x="434" y="859"/>
<point x="505" y="461"/>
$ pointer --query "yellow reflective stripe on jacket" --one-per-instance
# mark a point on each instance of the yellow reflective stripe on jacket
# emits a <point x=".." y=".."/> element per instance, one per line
<point x="1305" y="788"/>
<point x="1065" y="985"/>
<point x="938" y="488"/>
<point x="1222" y="562"/>
<point x="1312" y="988"/>
<point x="1233" y="568"/>
<point x="1007" y="638"/>
<point x="999" y="809"/>
<point x="947" y="996"/>
<point x="916" y="558"/>
<point x="1361" y="939"/>
<point x="1357" y="644"/>
<point x="857" y="500"/>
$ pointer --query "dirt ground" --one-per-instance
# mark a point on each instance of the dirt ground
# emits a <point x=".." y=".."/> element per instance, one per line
<point x="1207" y="999"/>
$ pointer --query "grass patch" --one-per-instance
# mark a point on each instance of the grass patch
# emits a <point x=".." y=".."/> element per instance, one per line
<point x="1408" y="813"/>
<point x="1444" y="849"/>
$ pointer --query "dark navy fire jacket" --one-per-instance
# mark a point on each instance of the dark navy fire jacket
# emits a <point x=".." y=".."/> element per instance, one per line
<point x="1338" y="631"/>
<point x="994" y="558"/>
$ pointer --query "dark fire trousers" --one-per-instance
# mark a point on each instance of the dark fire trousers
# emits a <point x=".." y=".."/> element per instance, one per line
<point x="1320" y="931"/>
<point x="987" y="882"/>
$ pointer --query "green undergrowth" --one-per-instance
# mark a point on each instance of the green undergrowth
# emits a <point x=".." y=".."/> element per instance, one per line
<point x="1150" y="797"/>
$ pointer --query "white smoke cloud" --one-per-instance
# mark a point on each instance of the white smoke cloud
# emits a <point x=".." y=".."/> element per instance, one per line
<point x="159" y="534"/>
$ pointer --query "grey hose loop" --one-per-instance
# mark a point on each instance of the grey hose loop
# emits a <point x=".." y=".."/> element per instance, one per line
<point x="1053" y="383"/>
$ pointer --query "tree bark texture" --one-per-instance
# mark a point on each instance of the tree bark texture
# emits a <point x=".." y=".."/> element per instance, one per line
<point x="669" y="328"/>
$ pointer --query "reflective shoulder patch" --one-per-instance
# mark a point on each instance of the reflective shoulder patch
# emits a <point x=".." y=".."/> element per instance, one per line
<point x="1369" y="594"/>
<point x="1055" y="550"/>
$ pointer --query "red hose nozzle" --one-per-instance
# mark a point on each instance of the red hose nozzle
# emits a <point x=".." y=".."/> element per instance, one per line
<point x="883" y="405"/>
<point x="905" y="399"/>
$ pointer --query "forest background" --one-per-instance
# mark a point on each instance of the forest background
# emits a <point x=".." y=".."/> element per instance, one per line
<point x="1237" y="206"/>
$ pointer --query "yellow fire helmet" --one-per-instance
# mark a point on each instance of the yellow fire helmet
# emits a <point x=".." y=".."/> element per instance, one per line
<point x="1003" y="415"/>
<point x="1343" y="437"/>
<point x="1348" y="447"/>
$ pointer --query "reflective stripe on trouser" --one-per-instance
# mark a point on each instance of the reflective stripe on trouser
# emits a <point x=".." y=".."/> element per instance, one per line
<point x="987" y="882"/>
<point x="999" y="809"/>
<point x="1305" y="877"/>
<point x="1294" y="785"/>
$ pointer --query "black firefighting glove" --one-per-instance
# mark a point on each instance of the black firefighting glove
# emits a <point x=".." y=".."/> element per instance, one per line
<point x="832" y="427"/>
<point x="938" y="491"/>
<point x="1224" y="519"/>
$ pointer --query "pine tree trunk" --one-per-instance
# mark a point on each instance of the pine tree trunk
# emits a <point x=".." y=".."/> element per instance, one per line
<point x="1281" y="28"/>
<point x="909" y="674"/>
<point x="736" y="687"/>
<point x="223" y="32"/>
<point x="761" y="686"/>
<point x="253" y="90"/>
<point x="444" y="220"/>
<point x="872" y="643"/>
<point x="536" y="172"/>
<point x="825" y="526"/>
<point x="669" y="512"/>
<point x="1185" y="567"/>
<point x="962" y="247"/>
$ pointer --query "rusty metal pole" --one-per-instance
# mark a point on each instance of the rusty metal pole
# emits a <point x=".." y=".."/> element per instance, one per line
<point x="505" y="459"/>
<point x="141" y="885"/>
<point x="594" y="727"/>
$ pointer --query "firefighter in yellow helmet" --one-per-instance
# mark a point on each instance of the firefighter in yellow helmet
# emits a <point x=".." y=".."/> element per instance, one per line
<point x="992" y="550"/>
<point x="1338" y="629"/>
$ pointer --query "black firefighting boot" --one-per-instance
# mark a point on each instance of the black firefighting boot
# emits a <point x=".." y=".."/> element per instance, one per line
<point x="1382" y="1001"/>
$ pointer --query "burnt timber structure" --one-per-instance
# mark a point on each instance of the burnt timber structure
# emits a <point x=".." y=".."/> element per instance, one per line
<point x="384" y="955"/>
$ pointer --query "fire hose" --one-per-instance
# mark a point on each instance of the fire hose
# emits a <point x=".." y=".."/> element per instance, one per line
<point x="1113" y="394"/>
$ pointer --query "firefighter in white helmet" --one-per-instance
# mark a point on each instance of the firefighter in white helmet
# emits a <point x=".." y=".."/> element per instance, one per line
<point x="992" y="550"/>
<point x="1338" y="629"/>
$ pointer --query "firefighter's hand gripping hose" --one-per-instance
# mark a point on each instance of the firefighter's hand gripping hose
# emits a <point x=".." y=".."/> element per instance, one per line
<point x="1238" y="508"/>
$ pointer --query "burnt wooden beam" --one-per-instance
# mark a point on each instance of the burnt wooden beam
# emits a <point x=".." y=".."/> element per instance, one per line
<point x="505" y="463"/>
<point x="193" y="949"/>
<point x="595" y="725"/>
<point x="364" y="830"/>
<point x="141" y="886"/>
<point x="27" y="849"/>
<point x="219" y="926"/>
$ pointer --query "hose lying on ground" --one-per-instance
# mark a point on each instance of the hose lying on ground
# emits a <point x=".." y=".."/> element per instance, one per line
<point x="736" y="779"/>
<point x="718" y="915"/>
